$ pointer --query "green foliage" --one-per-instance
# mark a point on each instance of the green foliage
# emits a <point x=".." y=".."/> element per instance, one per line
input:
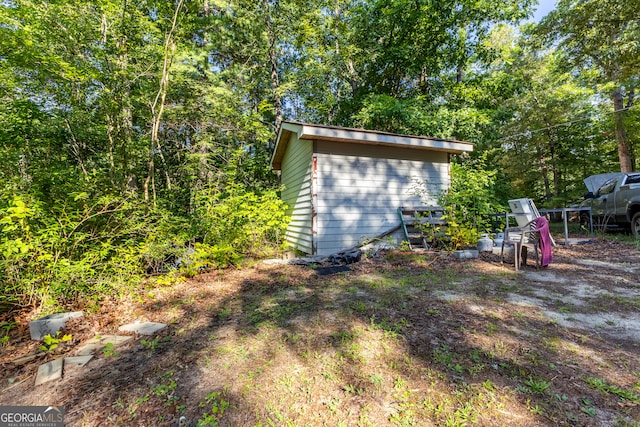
<point x="6" y="326"/>
<point x="109" y="350"/>
<point x="469" y="202"/>
<point x="437" y="235"/>
<point x="85" y="247"/>
<point x="151" y="344"/>
<point x="51" y="343"/>
<point x="216" y="255"/>
<point x="554" y="136"/>
<point x="419" y="115"/>
<point x="385" y="113"/>
<point x="239" y="222"/>
<point x="217" y="401"/>
<point x="604" y="387"/>
<point x="135" y="137"/>
<point x="537" y="385"/>
<point x="598" y="39"/>
<point x="50" y="258"/>
<point x="473" y="195"/>
<point x="461" y="236"/>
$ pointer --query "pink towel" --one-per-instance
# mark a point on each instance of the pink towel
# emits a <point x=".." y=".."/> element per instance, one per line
<point x="542" y="225"/>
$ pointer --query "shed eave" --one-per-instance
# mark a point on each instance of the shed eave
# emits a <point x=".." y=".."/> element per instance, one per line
<point x="282" y="140"/>
<point x="359" y="136"/>
<point x="377" y="138"/>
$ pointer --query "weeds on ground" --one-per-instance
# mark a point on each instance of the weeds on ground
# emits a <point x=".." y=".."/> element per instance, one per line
<point x="109" y="350"/>
<point x="602" y="386"/>
<point x="380" y="347"/>
<point x="50" y="343"/>
<point x="6" y="328"/>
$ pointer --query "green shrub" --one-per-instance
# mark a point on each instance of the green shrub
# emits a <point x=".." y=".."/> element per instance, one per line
<point x="242" y="222"/>
<point x="468" y="204"/>
<point x="53" y="258"/>
<point x="85" y="246"/>
<point x="471" y="198"/>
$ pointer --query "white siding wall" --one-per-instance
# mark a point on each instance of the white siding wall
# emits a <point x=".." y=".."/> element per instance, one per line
<point x="359" y="189"/>
<point x="296" y="178"/>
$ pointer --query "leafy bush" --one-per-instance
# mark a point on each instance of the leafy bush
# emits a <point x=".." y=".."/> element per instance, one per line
<point x="85" y="247"/>
<point x="53" y="258"/>
<point x="471" y="198"/>
<point x="468" y="204"/>
<point x="242" y="222"/>
<point x="461" y="236"/>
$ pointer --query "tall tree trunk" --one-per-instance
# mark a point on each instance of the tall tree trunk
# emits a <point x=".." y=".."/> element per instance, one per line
<point x="273" y="62"/>
<point x="630" y="99"/>
<point x="625" y="153"/>
<point x="119" y="114"/>
<point x="544" y="170"/>
<point x="157" y="108"/>
<point x="554" y="164"/>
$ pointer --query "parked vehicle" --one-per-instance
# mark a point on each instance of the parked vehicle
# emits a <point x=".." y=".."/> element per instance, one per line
<point x="614" y="199"/>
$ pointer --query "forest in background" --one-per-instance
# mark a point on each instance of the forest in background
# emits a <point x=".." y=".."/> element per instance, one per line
<point x="136" y="134"/>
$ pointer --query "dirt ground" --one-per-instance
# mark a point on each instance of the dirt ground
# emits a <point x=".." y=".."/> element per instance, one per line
<point x="398" y="339"/>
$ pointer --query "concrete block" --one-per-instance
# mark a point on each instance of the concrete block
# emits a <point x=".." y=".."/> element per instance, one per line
<point x="508" y="250"/>
<point x="88" y="349"/>
<point x="110" y="339"/>
<point x="98" y="343"/>
<point x="26" y="359"/>
<point x="51" y="324"/>
<point x="76" y="361"/>
<point x="49" y="371"/>
<point x="466" y="254"/>
<point x="143" y="328"/>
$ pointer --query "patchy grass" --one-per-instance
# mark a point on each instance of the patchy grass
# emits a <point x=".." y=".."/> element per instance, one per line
<point x="401" y="340"/>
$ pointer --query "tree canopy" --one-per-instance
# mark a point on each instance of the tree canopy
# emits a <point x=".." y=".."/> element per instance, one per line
<point x="133" y="129"/>
<point x="599" y="40"/>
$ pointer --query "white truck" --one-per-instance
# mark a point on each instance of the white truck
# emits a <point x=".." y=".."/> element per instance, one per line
<point x="614" y="199"/>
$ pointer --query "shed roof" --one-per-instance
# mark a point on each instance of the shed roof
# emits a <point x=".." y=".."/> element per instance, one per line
<point x="359" y="136"/>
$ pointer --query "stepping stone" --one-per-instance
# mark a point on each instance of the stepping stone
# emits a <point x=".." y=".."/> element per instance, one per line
<point x="26" y="359"/>
<point x="143" y="328"/>
<point x="49" y="371"/>
<point x="89" y="349"/>
<point x="110" y="339"/>
<point x="51" y="324"/>
<point x="76" y="361"/>
<point x="98" y="343"/>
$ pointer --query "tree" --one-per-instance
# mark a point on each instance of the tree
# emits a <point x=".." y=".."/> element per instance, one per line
<point x="599" y="40"/>
<point x="547" y="102"/>
<point x="417" y="51"/>
<point x="100" y="96"/>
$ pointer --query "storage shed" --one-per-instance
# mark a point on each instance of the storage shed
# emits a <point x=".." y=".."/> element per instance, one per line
<point x="343" y="186"/>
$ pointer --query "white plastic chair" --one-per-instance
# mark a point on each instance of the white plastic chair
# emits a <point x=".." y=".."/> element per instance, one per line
<point x="525" y="234"/>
